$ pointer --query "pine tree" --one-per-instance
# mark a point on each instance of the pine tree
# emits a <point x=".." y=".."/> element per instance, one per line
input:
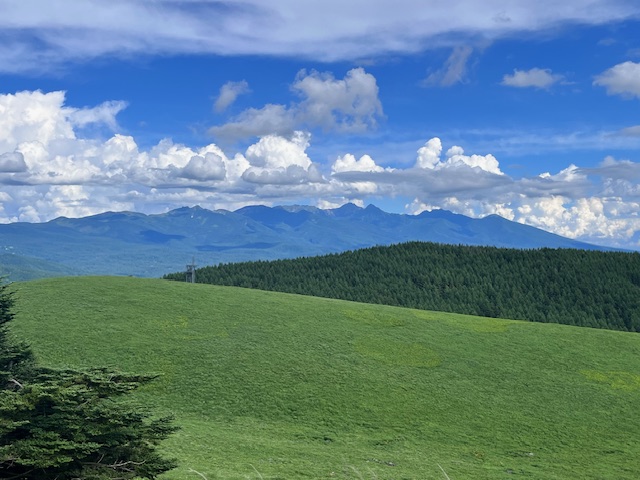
<point x="66" y="424"/>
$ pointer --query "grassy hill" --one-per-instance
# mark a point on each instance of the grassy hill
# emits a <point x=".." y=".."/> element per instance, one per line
<point x="277" y="386"/>
<point x="568" y="286"/>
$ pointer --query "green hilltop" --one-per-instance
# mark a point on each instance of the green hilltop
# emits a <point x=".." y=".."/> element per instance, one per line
<point x="568" y="286"/>
<point x="269" y="385"/>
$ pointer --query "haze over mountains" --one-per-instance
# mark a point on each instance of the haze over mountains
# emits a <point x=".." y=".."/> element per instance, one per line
<point x="127" y="243"/>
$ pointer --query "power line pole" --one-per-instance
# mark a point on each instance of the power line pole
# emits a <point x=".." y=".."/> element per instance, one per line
<point x="190" y="274"/>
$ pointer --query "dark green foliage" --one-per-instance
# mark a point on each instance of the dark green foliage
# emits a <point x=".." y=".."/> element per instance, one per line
<point x="574" y="287"/>
<point x="66" y="424"/>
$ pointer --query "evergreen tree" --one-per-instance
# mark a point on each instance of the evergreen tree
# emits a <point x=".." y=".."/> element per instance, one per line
<point x="66" y="424"/>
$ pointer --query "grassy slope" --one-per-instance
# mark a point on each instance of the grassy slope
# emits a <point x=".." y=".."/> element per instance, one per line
<point x="269" y="385"/>
<point x="541" y="285"/>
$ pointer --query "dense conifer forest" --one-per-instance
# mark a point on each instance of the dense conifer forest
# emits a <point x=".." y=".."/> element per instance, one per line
<point x="574" y="287"/>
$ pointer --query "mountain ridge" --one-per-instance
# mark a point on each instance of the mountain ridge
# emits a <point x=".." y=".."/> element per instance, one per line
<point x="150" y="245"/>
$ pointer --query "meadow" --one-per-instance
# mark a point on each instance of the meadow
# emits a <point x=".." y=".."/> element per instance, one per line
<point x="269" y="385"/>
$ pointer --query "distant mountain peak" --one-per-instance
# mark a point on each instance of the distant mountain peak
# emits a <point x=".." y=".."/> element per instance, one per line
<point x="250" y="208"/>
<point x="129" y="243"/>
<point x="346" y="209"/>
<point x="180" y="211"/>
<point x="299" y="208"/>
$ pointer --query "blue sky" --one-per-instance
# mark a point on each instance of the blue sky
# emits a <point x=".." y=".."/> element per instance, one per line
<point x="529" y="110"/>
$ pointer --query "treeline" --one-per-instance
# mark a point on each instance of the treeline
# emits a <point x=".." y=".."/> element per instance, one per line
<point x="574" y="287"/>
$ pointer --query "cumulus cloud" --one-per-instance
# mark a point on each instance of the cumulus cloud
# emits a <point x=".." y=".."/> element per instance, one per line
<point x="595" y="205"/>
<point x="535" y="77"/>
<point x="453" y="71"/>
<point x="488" y="163"/>
<point x="464" y="207"/>
<point x="26" y="116"/>
<point x="229" y="92"/>
<point x="429" y="158"/>
<point x="279" y="160"/>
<point x="274" y="152"/>
<point x="431" y="180"/>
<point x="47" y="169"/>
<point x="429" y="154"/>
<point x="569" y="174"/>
<point x="590" y="219"/>
<point x="348" y="105"/>
<point x="622" y="79"/>
<point x="348" y="163"/>
<point x="45" y="36"/>
<point x="601" y="220"/>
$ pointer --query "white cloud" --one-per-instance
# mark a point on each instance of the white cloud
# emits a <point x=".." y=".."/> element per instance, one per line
<point x="229" y="92"/>
<point x="350" y="105"/>
<point x="571" y="173"/>
<point x="595" y="205"/>
<point x="43" y="35"/>
<point x="472" y="208"/>
<point x="119" y="151"/>
<point x="276" y="152"/>
<point x="429" y="158"/>
<point x="348" y="163"/>
<point x="47" y="170"/>
<point x="104" y="114"/>
<point x="429" y="154"/>
<point x="347" y="105"/>
<point x="535" y="77"/>
<point x="328" y="205"/>
<point x="454" y="69"/>
<point x="279" y="160"/>
<point x="27" y="116"/>
<point x="622" y="79"/>
<point x="487" y="163"/>
<point x="591" y="219"/>
<point x="600" y="220"/>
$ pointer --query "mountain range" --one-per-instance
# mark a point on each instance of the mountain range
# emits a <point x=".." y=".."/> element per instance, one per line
<point x="136" y="244"/>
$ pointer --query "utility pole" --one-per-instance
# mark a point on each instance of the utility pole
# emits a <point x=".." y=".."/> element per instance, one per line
<point x="190" y="274"/>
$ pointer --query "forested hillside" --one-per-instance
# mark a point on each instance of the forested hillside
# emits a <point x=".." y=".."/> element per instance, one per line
<point x="574" y="287"/>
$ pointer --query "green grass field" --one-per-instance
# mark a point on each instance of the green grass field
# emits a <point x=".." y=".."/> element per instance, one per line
<point x="275" y="386"/>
